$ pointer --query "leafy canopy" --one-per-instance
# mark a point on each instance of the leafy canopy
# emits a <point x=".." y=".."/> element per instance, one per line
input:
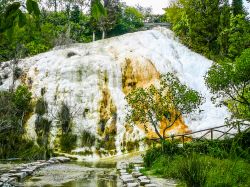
<point x="170" y="100"/>
<point x="230" y="81"/>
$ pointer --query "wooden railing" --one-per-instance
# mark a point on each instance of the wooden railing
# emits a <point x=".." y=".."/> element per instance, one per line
<point x="208" y="131"/>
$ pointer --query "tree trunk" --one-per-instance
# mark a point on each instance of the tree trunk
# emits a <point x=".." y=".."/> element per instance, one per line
<point x="93" y="36"/>
<point x="155" y="127"/>
<point x="55" y="5"/>
<point x="103" y="34"/>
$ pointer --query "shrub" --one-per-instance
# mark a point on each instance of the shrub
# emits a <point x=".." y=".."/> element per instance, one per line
<point x="65" y="117"/>
<point x="68" y="142"/>
<point x="41" y="107"/>
<point x="194" y="171"/>
<point x="88" y="139"/>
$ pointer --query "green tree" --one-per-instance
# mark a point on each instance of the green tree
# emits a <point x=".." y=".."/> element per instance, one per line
<point x="129" y="20"/>
<point x="97" y="12"/>
<point x="237" y="7"/>
<point x="170" y="101"/>
<point x="230" y="81"/>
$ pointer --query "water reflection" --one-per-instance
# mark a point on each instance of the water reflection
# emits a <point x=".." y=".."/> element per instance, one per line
<point x="101" y="174"/>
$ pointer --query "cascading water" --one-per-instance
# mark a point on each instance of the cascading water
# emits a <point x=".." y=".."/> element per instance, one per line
<point x="93" y="79"/>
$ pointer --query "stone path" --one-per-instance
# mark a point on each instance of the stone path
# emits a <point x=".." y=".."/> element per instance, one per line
<point x="18" y="174"/>
<point x="132" y="177"/>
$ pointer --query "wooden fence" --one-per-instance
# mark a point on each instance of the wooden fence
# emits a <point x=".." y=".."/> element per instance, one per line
<point x="208" y="132"/>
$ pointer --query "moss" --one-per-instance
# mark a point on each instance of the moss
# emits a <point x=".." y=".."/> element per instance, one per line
<point x="79" y="74"/>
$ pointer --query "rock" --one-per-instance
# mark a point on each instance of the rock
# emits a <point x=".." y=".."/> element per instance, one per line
<point x="18" y="168"/>
<point x="151" y="185"/>
<point x="13" y="171"/>
<point x="128" y="180"/>
<point x="51" y="161"/>
<point x="126" y="176"/>
<point x="41" y="161"/>
<point x="41" y="165"/>
<point x="63" y="159"/>
<point x="11" y="180"/>
<point x="122" y="171"/>
<point x="20" y="175"/>
<point x="28" y="171"/>
<point x="6" y="175"/>
<point x="4" y="179"/>
<point x="136" y="174"/>
<point x="144" y="181"/>
<point x="133" y="184"/>
<point x="1" y="183"/>
<point x="142" y="178"/>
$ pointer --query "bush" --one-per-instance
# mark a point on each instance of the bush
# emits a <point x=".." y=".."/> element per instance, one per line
<point x="68" y="142"/>
<point x="193" y="170"/>
<point x="88" y="139"/>
<point x="41" y="107"/>
<point x="167" y="148"/>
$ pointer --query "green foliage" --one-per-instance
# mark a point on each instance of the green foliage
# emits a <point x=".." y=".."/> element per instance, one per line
<point x="41" y="107"/>
<point x="210" y="27"/>
<point x="194" y="171"/>
<point x="68" y="142"/>
<point x="22" y="98"/>
<point x="170" y="101"/>
<point x="42" y="128"/>
<point x="129" y="20"/>
<point x="237" y="6"/>
<point x="64" y="117"/>
<point x="230" y="82"/>
<point x="88" y="139"/>
<point x="200" y="170"/>
<point x="14" y="106"/>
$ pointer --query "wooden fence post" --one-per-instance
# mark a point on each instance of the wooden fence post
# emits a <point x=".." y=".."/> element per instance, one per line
<point x="212" y="136"/>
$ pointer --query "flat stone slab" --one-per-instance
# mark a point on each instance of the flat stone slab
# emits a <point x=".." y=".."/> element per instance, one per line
<point x="136" y="174"/>
<point x="142" y="177"/>
<point x="144" y="181"/>
<point x="151" y="185"/>
<point x="12" y="171"/>
<point x="6" y="175"/>
<point x="128" y="180"/>
<point x="28" y="171"/>
<point x="12" y="179"/>
<point x="122" y="171"/>
<point x="126" y="176"/>
<point x="133" y="184"/>
<point x="20" y="175"/>
<point x="4" y="179"/>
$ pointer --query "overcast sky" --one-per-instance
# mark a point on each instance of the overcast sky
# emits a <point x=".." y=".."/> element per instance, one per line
<point x="158" y="5"/>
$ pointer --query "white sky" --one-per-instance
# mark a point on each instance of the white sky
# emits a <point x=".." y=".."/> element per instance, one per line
<point x="157" y="5"/>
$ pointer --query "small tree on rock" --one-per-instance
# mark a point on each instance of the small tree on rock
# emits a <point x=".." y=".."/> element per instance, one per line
<point x="170" y="100"/>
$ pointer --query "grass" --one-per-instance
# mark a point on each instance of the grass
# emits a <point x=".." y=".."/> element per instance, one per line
<point x="201" y="170"/>
<point x="223" y="163"/>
